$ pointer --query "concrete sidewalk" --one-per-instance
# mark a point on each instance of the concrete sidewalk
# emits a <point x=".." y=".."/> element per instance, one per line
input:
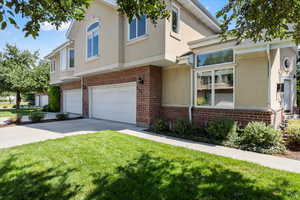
<point x="262" y="159"/>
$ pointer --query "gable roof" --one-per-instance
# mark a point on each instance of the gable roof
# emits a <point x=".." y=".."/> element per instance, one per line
<point x="194" y="6"/>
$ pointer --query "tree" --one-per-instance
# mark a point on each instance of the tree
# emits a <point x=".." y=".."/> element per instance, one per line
<point x="57" y="12"/>
<point x="20" y="72"/>
<point x="261" y="20"/>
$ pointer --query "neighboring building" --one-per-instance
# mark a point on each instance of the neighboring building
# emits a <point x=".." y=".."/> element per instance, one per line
<point x="139" y="72"/>
<point x="41" y="100"/>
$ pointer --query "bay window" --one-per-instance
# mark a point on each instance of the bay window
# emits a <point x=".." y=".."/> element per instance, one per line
<point x="215" y="88"/>
<point x="137" y="27"/>
<point x="93" y="40"/>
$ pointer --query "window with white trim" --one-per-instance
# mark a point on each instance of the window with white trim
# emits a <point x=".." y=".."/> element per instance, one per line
<point x="138" y="27"/>
<point x="71" y="58"/>
<point x="215" y="88"/>
<point x="93" y="40"/>
<point x="52" y="68"/>
<point x="175" y="19"/>
<point x="213" y="58"/>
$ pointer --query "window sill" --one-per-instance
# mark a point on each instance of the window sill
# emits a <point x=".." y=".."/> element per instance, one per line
<point x="215" y="107"/>
<point x="92" y="58"/>
<point x="68" y="70"/>
<point x="176" y="36"/>
<point x="136" y="40"/>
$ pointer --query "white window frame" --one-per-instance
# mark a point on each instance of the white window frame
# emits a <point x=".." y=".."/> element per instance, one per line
<point x="214" y="65"/>
<point x="91" y="33"/>
<point x="137" y="37"/>
<point x="212" y="70"/>
<point x="177" y="10"/>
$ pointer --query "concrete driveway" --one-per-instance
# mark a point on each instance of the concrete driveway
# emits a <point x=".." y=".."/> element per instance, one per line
<point x="18" y="135"/>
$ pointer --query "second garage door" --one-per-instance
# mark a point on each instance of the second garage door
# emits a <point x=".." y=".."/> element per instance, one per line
<point x="72" y="101"/>
<point x="114" y="102"/>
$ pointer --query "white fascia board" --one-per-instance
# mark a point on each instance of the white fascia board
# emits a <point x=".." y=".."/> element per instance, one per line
<point x="200" y="14"/>
<point x="59" y="48"/>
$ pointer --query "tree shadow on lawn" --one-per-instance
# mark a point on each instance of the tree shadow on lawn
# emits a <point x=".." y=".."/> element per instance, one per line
<point x="152" y="178"/>
<point x="28" y="182"/>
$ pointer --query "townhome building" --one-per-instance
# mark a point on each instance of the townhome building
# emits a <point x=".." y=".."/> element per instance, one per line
<point x="180" y="68"/>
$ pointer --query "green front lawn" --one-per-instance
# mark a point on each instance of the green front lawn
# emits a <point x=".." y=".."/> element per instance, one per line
<point x="113" y="166"/>
<point x="13" y="112"/>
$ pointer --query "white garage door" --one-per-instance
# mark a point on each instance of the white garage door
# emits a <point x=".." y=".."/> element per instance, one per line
<point x="114" y="102"/>
<point x="72" y="101"/>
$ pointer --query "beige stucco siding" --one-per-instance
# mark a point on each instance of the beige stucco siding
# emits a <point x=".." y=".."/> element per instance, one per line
<point x="176" y="85"/>
<point x="109" y="39"/>
<point x="279" y="74"/>
<point x="148" y="47"/>
<point x="251" y="86"/>
<point x="190" y="29"/>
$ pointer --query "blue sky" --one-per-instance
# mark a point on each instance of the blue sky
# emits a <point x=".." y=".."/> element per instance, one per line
<point x="50" y="38"/>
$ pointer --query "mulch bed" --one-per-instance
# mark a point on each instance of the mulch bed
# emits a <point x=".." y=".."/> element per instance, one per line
<point x="44" y="121"/>
<point x="292" y="155"/>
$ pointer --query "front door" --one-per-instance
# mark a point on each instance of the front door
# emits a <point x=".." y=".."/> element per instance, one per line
<point x="287" y="95"/>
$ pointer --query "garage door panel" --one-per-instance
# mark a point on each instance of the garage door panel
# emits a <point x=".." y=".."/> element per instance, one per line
<point x="72" y="101"/>
<point x="115" y="102"/>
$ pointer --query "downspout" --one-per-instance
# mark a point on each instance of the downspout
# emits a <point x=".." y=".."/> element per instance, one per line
<point x="269" y="85"/>
<point x="192" y="90"/>
<point x="192" y="95"/>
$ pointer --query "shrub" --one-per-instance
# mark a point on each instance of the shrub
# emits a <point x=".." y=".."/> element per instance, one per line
<point x="14" y="106"/>
<point x="160" y="126"/>
<point x="54" y="98"/>
<point x="62" y="116"/>
<point x="182" y="127"/>
<point x="36" y="116"/>
<point x="259" y="137"/>
<point x="222" y="129"/>
<point x="46" y="108"/>
<point x="293" y="134"/>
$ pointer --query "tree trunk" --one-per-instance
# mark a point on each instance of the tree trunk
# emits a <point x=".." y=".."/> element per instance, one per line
<point x="18" y="100"/>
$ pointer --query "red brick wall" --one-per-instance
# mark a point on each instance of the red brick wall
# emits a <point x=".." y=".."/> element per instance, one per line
<point x="67" y="86"/>
<point x="148" y="94"/>
<point x="203" y="115"/>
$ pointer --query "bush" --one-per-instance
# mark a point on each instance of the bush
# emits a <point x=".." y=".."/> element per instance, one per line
<point x="62" y="116"/>
<point x="222" y="129"/>
<point x="160" y="126"/>
<point x="182" y="127"/>
<point x="259" y="137"/>
<point x="36" y="116"/>
<point x="54" y="98"/>
<point x="14" y="106"/>
<point x="46" y="108"/>
<point x="293" y="133"/>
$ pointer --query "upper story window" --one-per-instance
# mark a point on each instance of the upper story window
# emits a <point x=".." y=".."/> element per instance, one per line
<point x="52" y="68"/>
<point x="93" y="40"/>
<point x="218" y="57"/>
<point x="71" y="58"/>
<point x="138" y="27"/>
<point x="175" y="19"/>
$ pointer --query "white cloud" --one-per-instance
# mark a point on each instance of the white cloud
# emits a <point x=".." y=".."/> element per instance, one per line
<point x="48" y="27"/>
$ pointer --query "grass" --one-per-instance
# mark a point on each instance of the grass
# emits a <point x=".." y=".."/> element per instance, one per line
<point x="113" y="166"/>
